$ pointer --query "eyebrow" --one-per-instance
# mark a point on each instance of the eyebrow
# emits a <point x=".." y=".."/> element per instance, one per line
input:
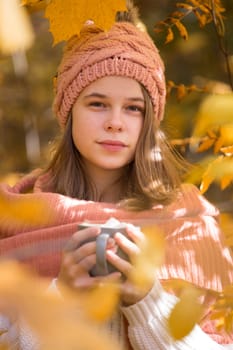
<point x="96" y="94"/>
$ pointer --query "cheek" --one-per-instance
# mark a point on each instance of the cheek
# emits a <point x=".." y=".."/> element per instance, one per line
<point x="83" y="133"/>
<point x="138" y="128"/>
<point x="78" y="133"/>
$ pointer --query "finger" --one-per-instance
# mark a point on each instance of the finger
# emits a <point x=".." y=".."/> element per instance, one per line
<point x="87" y="282"/>
<point x="81" y="236"/>
<point x="134" y="233"/>
<point x="85" y="250"/>
<point x="129" y="247"/>
<point x="84" y="283"/>
<point x="121" y="265"/>
<point x="83" y="267"/>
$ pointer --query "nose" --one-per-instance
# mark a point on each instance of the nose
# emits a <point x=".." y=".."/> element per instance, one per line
<point x="114" y="121"/>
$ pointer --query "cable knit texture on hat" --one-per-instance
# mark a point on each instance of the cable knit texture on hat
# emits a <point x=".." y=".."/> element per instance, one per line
<point x="122" y="51"/>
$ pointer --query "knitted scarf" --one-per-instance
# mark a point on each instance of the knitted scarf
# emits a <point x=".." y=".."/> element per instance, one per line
<point x="195" y="248"/>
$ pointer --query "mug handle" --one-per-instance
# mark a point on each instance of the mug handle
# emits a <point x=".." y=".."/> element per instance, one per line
<point x="101" y="262"/>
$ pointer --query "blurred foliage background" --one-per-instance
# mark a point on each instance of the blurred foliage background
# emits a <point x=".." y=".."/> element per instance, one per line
<point x="27" y="124"/>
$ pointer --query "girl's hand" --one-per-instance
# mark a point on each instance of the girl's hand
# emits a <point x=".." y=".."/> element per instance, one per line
<point x="79" y="258"/>
<point x="130" y="293"/>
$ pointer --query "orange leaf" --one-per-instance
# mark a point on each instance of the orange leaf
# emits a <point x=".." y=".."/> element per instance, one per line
<point x="170" y="86"/>
<point x="181" y="91"/>
<point x="186" y="313"/>
<point x="215" y="110"/>
<point x="27" y="211"/>
<point x="151" y="257"/>
<point x="226" y="181"/>
<point x="226" y="132"/>
<point x="184" y="6"/>
<point x="211" y="133"/>
<point x="218" y="144"/>
<point x="206" y="182"/>
<point x="68" y="17"/>
<point x="205" y="145"/>
<point x="202" y="19"/>
<point x="35" y="5"/>
<point x="30" y="2"/>
<point x="58" y="322"/>
<point x="100" y="303"/>
<point x="204" y="8"/>
<point x="182" y="30"/>
<point x="228" y="151"/>
<point x="170" y="36"/>
<point x="219" y="170"/>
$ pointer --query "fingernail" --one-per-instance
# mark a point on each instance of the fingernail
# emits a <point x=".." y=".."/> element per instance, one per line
<point x="111" y="242"/>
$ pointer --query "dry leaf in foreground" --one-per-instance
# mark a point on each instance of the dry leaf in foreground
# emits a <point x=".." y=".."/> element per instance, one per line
<point x="220" y="171"/>
<point x="151" y="257"/>
<point x="58" y="322"/>
<point x="186" y="313"/>
<point x="223" y="310"/>
<point x="35" y="5"/>
<point x="25" y="211"/>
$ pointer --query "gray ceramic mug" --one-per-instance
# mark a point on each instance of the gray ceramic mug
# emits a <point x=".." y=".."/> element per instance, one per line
<point x="103" y="267"/>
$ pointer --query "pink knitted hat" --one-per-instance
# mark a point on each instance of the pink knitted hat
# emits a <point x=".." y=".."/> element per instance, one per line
<point x="122" y="51"/>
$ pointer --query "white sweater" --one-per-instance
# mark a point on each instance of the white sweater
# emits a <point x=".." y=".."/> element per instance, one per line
<point x="147" y="327"/>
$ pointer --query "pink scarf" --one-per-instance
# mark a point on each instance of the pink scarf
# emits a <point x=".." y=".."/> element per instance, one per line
<point x="195" y="248"/>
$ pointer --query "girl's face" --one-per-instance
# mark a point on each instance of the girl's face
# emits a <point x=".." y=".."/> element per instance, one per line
<point x="107" y="120"/>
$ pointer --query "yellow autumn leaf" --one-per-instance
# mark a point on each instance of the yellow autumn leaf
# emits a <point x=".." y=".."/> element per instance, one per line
<point x="214" y="111"/>
<point x="222" y="310"/>
<point x="220" y="168"/>
<point x="33" y="2"/>
<point x="35" y="5"/>
<point x="182" y="30"/>
<point x="206" y="144"/>
<point x="170" y="35"/>
<point x="218" y="144"/>
<point x="59" y="322"/>
<point x="151" y="257"/>
<point x="30" y="2"/>
<point x="219" y="318"/>
<point x="226" y="180"/>
<point x="212" y="133"/>
<point x="68" y="17"/>
<point x="177" y="286"/>
<point x="101" y="302"/>
<point x="181" y="91"/>
<point x="26" y="211"/>
<point x="206" y="182"/>
<point x="195" y="174"/>
<point x="185" y="314"/>
<point x="228" y="151"/>
<point x="225" y="137"/>
<point x="202" y="19"/>
<point x="16" y="31"/>
<point x="10" y="178"/>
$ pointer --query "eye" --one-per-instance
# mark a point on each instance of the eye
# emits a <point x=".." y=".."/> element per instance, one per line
<point x="96" y="104"/>
<point x="136" y="109"/>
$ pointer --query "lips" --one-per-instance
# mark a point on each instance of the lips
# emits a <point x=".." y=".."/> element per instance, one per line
<point x="112" y="145"/>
